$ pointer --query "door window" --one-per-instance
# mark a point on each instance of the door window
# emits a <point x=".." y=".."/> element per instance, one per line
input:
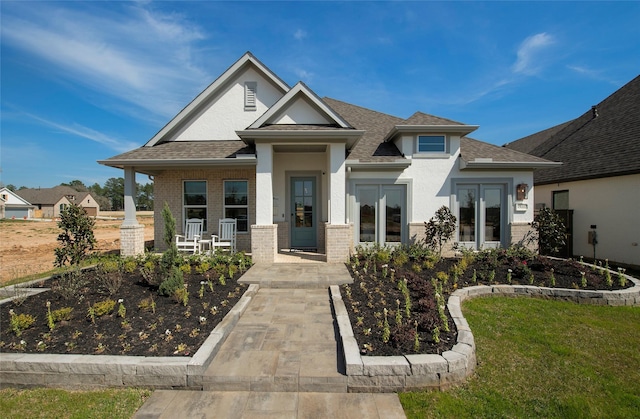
<point x="381" y="213"/>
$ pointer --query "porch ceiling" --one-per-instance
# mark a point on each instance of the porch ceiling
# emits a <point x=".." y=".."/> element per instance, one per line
<point x="300" y="148"/>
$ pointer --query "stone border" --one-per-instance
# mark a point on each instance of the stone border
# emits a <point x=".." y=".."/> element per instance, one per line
<point x="95" y="371"/>
<point x="380" y="374"/>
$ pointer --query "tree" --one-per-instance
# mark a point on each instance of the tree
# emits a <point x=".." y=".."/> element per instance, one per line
<point x="76" y="184"/>
<point x="77" y="236"/>
<point x="11" y="187"/>
<point x="144" y="198"/>
<point x="114" y="190"/>
<point x="440" y="229"/>
<point x="552" y="233"/>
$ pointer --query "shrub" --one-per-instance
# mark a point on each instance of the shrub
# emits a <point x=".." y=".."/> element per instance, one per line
<point x="103" y="307"/>
<point x="172" y="283"/>
<point x="20" y="322"/>
<point x="439" y="229"/>
<point x="70" y="284"/>
<point x="76" y="238"/>
<point x="109" y="276"/>
<point x="552" y="233"/>
<point x="61" y="314"/>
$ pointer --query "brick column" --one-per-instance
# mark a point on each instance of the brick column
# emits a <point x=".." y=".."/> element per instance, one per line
<point x="264" y="243"/>
<point x="338" y="242"/>
<point x="131" y="240"/>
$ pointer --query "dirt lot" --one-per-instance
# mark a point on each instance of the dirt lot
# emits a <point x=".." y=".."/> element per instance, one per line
<point x="27" y="247"/>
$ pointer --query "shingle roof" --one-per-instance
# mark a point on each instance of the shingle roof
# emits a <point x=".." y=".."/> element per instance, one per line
<point x="596" y="146"/>
<point x="50" y="196"/>
<point x="185" y="150"/>
<point x="471" y="149"/>
<point x="420" y="118"/>
<point x="529" y="143"/>
<point x="371" y="147"/>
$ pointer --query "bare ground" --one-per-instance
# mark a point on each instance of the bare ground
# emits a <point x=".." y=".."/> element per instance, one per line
<point x="27" y="247"/>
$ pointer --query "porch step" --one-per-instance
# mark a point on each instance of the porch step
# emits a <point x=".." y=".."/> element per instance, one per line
<point x="297" y="275"/>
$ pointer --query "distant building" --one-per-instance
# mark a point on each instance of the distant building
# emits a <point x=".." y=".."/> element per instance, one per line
<point x="599" y="180"/>
<point x="50" y="201"/>
<point x="13" y="206"/>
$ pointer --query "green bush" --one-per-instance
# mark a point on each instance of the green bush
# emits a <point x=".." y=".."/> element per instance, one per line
<point x="173" y="282"/>
<point x="439" y="229"/>
<point x="77" y="236"/>
<point x="552" y="233"/>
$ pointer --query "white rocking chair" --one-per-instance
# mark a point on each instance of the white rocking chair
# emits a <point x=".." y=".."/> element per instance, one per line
<point x="190" y="240"/>
<point x="226" y="237"/>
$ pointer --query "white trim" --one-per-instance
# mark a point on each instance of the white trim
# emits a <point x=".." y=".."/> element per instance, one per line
<point x="428" y="129"/>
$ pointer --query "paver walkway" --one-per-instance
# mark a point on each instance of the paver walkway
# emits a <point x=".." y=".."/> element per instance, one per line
<point x="282" y="359"/>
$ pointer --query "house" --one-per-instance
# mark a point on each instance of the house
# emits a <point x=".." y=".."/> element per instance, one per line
<point x="302" y="172"/>
<point x="13" y="206"/>
<point x="599" y="180"/>
<point x="50" y="201"/>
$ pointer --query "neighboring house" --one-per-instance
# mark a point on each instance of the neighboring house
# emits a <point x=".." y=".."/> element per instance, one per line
<point x="50" y="201"/>
<point x="14" y="206"/>
<point x="301" y="172"/>
<point x="599" y="179"/>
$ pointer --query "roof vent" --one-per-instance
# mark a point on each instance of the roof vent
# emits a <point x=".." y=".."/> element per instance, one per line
<point x="594" y="111"/>
<point x="250" y="92"/>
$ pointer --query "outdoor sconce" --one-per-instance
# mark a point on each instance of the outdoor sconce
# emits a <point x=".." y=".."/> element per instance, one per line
<point x="521" y="192"/>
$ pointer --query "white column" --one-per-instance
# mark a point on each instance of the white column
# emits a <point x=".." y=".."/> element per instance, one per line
<point x="337" y="184"/>
<point x="264" y="184"/>
<point x="129" y="197"/>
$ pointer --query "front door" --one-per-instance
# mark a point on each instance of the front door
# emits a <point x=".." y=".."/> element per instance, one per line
<point x="303" y="213"/>
<point x="481" y="215"/>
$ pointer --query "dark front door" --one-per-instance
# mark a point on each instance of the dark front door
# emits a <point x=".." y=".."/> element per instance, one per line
<point x="303" y="213"/>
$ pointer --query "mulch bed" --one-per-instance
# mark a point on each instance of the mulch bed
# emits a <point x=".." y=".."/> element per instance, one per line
<point x="376" y="288"/>
<point x="170" y="329"/>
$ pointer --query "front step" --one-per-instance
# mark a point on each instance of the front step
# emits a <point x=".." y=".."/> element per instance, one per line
<point x="297" y="275"/>
<point x="287" y="384"/>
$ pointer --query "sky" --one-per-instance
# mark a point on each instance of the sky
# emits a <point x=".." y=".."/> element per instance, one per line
<point x="83" y="81"/>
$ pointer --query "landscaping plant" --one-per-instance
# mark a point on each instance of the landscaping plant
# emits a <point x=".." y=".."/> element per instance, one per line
<point x="76" y="238"/>
<point x="439" y="229"/>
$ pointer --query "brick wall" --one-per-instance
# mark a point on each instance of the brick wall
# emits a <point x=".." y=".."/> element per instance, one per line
<point x="521" y="230"/>
<point x="131" y="240"/>
<point x="168" y="187"/>
<point x="339" y="242"/>
<point x="264" y="243"/>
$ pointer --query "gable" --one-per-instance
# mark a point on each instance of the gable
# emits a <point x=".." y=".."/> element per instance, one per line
<point x="301" y="112"/>
<point x="11" y="198"/>
<point x="220" y="110"/>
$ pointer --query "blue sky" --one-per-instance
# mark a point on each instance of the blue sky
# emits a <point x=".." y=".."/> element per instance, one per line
<point x="84" y="81"/>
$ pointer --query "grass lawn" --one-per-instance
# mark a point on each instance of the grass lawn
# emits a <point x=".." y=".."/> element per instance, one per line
<point x="544" y="358"/>
<point x="54" y="403"/>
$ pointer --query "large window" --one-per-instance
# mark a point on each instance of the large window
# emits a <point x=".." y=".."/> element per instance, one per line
<point x="381" y="213"/>
<point x="195" y="200"/>
<point x="432" y="144"/>
<point x="481" y="215"/>
<point x="560" y="200"/>
<point x="236" y="203"/>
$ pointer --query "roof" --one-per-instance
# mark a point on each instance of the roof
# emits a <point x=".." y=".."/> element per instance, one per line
<point x="481" y="155"/>
<point x="529" y="143"/>
<point x="50" y="196"/>
<point x="602" y="142"/>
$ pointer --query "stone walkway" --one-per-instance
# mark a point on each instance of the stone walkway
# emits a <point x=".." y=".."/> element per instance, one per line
<point x="283" y="358"/>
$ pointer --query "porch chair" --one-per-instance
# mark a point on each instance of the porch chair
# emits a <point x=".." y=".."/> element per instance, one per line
<point x="226" y="237"/>
<point x="190" y="240"/>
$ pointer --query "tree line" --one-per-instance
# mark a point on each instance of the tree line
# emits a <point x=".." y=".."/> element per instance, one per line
<point x="110" y="197"/>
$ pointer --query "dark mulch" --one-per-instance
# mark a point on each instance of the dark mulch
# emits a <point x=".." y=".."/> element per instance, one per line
<point x="376" y="288"/>
<point x="172" y="330"/>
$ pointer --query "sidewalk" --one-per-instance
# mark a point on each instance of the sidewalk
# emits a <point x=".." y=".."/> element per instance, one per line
<point x="282" y="359"/>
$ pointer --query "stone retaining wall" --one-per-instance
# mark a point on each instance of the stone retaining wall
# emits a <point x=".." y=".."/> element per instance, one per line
<point x="379" y="374"/>
<point x="95" y="371"/>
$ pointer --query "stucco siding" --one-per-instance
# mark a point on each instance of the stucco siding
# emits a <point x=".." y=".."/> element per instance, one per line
<point x="612" y="205"/>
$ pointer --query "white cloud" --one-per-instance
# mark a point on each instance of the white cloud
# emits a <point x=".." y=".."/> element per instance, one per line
<point x="300" y="34"/>
<point x="87" y="133"/>
<point x="138" y="56"/>
<point x="530" y="53"/>
<point x="592" y="74"/>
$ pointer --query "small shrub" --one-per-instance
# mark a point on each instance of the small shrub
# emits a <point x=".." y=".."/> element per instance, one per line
<point x="20" y="322"/>
<point x="70" y="283"/>
<point x="76" y="238"/>
<point x="439" y="229"/>
<point x="109" y="276"/>
<point x="62" y="314"/>
<point x="103" y="307"/>
<point x="147" y="304"/>
<point x="174" y="282"/>
<point x="552" y="233"/>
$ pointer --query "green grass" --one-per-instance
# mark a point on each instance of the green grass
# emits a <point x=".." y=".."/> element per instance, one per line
<point x="55" y="403"/>
<point x="544" y="358"/>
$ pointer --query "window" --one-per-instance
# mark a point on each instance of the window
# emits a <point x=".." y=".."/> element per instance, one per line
<point x="560" y="200"/>
<point x="432" y="144"/>
<point x="381" y="213"/>
<point x="195" y="200"/>
<point x="236" y="202"/>
<point x="481" y="214"/>
<point x="250" y="93"/>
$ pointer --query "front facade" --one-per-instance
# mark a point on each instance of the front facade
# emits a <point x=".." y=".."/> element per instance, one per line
<point x="599" y="180"/>
<point x="49" y="202"/>
<point x="13" y="206"/>
<point x="301" y="172"/>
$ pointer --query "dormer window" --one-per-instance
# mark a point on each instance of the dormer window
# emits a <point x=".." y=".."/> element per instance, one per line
<point x="250" y="93"/>
<point x="432" y="144"/>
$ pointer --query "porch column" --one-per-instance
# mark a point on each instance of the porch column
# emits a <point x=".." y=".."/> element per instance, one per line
<point x="338" y="234"/>
<point x="264" y="234"/>
<point x="131" y="233"/>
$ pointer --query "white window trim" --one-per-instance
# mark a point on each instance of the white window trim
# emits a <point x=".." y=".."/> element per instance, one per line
<point x="205" y="206"/>
<point x="432" y="154"/>
<point x="225" y="206"/>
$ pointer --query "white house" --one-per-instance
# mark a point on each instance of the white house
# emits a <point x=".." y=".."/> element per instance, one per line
<point x="599" y="180"/>
<point x="15" y="207"/>
<point x="301" y="172"/>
